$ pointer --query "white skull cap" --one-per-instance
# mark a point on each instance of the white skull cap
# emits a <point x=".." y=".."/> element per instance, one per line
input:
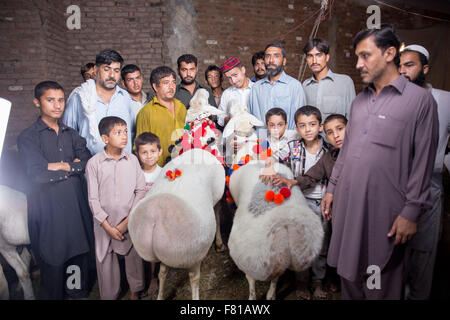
<point x="417" y="48"/>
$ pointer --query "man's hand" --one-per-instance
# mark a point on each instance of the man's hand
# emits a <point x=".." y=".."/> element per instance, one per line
<point x="277" y="180"/>
<point x="403" y="229"/>
<point x="123" y="226"/>
<point x="112" y="232"/>
<point x="225" y="121"/>
<point x="327" y="200"/>
<point x="58" y="166"/>
<point x="266" y="178"/>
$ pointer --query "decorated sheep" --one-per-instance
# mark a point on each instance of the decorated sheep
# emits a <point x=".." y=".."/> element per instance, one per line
<point x="200" y="133"/>
<point x="273" y="228"/>
<point x="175" y="221"/>
<point x="14" y="233"/>
<point x="240" y="126"/>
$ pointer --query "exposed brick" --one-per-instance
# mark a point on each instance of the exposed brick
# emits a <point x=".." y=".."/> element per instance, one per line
<point x="38" y="45"/>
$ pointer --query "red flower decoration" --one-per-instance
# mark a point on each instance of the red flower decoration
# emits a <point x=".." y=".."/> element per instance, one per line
<point x="278" y="198"/>
<point x="173" y="175"/>
<point x="285" y="192"/>
<point x="270" y="195"/>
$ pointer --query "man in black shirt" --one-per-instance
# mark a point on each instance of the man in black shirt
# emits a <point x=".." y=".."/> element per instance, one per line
<point x="187" y="70"/>
<point x="59" y="219"/>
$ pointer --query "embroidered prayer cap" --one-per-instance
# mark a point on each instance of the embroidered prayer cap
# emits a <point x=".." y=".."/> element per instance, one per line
<point x="417" y="48"/>
<point x="229" y="64"/>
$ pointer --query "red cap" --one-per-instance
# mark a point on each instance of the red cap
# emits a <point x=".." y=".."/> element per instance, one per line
<point x="229" y="64"/>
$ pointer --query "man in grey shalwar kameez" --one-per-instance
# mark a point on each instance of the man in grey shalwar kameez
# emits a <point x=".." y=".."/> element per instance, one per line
<point x="381" y="180"/>
<point x="423" y="247"/>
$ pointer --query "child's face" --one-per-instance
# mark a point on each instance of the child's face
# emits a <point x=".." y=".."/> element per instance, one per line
<point x="117" y="138"/>
<point x="276" y="126"/>
<point x="335" y="132"/>
<point x="148" y="154"/>
<point x="51" y="104"/>
<point x="308" y="127"/>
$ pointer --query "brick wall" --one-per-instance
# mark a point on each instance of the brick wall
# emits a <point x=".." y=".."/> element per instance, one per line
<point x="227" y="28"/>
<point x="23" y="60"/>
<point x="37" y="45"/>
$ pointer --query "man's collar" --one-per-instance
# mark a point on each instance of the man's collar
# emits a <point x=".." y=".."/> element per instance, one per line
<point x="283" y="78"/>
<point x="117" y="90"/>
<point x="250" y="85"/>
<point x="399" y="84"/>
<point x="156" y="102"/>
<point x="41" y="125"/>
<point x="144" y="97"/>
<point x="104" y="156"/>
<point x="197" y="85"/>
<point x="330" y="74"/>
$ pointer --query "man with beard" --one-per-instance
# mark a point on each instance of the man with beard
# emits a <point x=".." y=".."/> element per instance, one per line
<point x="414" y="66"/>
<point x="96" y="99"/>
<point x="187" y="70"/>
<point x="330" y="92"/>
<point x="259" y="68"/>
<point x="381" y="180"/>
<point x="277" y="89"/>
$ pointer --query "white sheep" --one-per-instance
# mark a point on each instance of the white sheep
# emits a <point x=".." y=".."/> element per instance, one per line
<point x="14" y="233"/>
<point x="200" y="132"/>
<point x="268" y="238"/>
<point x="240" y="128"/>
<point x="200" y="108"/>
<point x="174" y="223"/>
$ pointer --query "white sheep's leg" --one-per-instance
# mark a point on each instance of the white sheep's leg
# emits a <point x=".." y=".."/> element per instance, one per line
<point x="194" y="277"/>
<point x="162" y="275"/>
<point x="251" y="287"/>
<point x="220" y="246"/>
<point x="26" y="257"/>
<point x="4" y="289"/>
<point x="15" y="261"/>
<point x="271" y="293"/>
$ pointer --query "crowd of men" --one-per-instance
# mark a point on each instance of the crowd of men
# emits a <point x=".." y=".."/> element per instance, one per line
<point x="378" y="197"/>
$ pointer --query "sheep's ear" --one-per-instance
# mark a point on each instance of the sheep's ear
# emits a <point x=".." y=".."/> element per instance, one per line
<point x="229" y="128"/>
<point x="255" y="121"/>
<point x="214" y="111"/>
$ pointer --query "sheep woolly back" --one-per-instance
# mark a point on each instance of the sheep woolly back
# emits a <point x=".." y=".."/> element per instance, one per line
<point x="287" y="236"/>
<point x="13" y="216"/>
<point x="175" y="222"/>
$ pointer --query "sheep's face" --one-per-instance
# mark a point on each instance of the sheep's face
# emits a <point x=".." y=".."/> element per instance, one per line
<point x="244" y="128"/>
<point x="200" y="107"/>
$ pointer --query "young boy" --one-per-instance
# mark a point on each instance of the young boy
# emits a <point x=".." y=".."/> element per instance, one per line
<point x="334" y="128"/>
<point x="115" y="185"/>
<point x="148" y="149"/>
<point x="59" y="219"/>
<point x="278" y="136"/>
<point x="304" y="154"/>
